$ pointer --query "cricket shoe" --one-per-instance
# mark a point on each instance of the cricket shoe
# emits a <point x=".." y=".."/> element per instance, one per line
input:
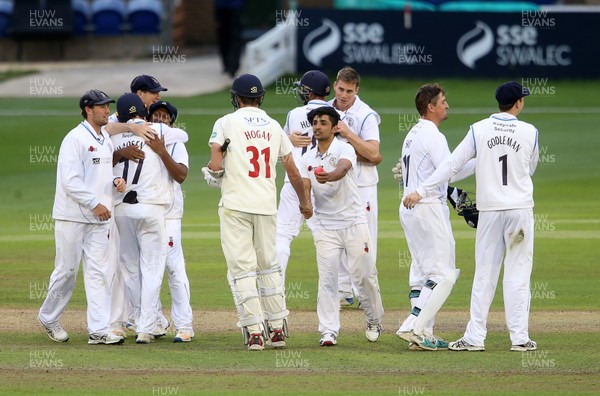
<point x="160" y="330"/>
<point x="184" y="335"/>
<point x="105" y="338"/>
<point x="144" y="338"/>
<point x="278" y="339"/>
<point x="528" y="346"/>
<point x="131" y="326"/>
<point x="421" y="341"/>
<point x="346" y="300"/>
<point x="55" y="332"/>
<point x="328" y="339"/>
<point x="462" y="345"/>
<point x="373" y="332"/>
<point x="117" y="329"/>
<point x="440" y="343"/>
<point x="414" y="347"/>
<point x="256" y="342"/>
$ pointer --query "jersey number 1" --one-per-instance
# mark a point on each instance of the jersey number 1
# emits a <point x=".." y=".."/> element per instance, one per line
<point x="504" y="160"/>
<point x="266" y="152"/>
<point x="406" y="160"/>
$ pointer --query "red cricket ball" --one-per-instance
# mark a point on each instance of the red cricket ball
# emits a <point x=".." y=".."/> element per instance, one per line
<point x="319" y="170"/>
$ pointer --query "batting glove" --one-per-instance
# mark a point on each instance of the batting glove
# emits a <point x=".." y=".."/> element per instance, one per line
<point x="213" y="182"/>
<point x="397" y="171"/>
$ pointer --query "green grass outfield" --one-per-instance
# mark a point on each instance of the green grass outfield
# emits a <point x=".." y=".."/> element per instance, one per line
<point x="565" y="312"/>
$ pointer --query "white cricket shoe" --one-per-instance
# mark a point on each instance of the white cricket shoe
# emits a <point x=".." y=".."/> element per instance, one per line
<point x="528" y="346"/>
<point x="160" y="330"/>
<point x="328" y="339"/>
<point x="55" y="332"/>
<point x="105" y="338"/>
<point x="462" y="345"/>
<point x="144" y="338"/>
<point x="184" y="335"/>
<point x="373" y="332"/>
<point x="118" y="330"/>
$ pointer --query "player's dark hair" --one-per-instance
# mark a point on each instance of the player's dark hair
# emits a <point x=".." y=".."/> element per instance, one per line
<point x="348" y="75"/>
<point x="84" y="114"/>
<point x="506" y="107"/>
<point x="428" y="93"/>
<point x="254" y="102"/>
<point x="329" y="111"/>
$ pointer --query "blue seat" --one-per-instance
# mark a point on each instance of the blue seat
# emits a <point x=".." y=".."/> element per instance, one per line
<point x="6" y="10"/>
<point x="81" y="16"/>
<point x="144" y="16"/>
<point x="108" y="16"/>
<point x="488" y="6"/>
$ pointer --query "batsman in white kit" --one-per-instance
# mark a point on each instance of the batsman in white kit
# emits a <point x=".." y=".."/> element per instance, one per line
<point x="311" y="90"/>
<point x="248" y="209"/>
<point x="140" y="218"/>
<point x="506" y="154"/>
<point x="340" y="227"/>
<point x="427" y="227"/>
<point x="82" y="213"/>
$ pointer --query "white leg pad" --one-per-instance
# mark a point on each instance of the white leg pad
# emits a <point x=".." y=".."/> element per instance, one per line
<point x="246" y="299"/>
<point x="436" y="300"/>
<point x="272" y="294"/>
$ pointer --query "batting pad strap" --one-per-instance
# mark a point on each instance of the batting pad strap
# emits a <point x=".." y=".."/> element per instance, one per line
<point x="430" y="284"/>
<point x="277" y="315"/>
<point x="416" y="311"/>
<point x="415" y="293"/>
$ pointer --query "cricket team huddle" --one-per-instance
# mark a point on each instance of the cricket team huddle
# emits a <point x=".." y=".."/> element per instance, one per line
<point x="119" y="204"/>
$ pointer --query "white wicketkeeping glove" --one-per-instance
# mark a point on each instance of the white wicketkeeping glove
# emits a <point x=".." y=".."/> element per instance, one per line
<point x="212" y="181"/>
<point x="397" y="171"/>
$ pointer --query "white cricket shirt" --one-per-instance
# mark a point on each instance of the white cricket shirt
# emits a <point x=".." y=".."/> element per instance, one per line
<point x="506" y="151"/>
<point x="363" y="121"/>
<point x="257" y="141"/>
<point x="84" y="175"/>
<point x="179" y="155"/>
<point x="337" y="204"/>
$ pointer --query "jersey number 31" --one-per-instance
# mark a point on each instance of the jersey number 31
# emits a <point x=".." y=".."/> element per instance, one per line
<point x="266" y="153"/>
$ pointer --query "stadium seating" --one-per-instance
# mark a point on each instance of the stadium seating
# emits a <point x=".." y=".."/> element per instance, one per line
<point x="108" y="16"/>
<point x="81" y="16"/>
<point x="488" y="6"/>
<point x="6" y="10"/>
<point x="144" y="16"/>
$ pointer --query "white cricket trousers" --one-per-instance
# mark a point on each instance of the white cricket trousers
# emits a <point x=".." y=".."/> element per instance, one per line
<point x="248" y="242"/>
<point x="142" y="257"/>
<point x="430" y="240"/>
<point x="179" y="285"/>
<point x="355" y="243"/>
<point x="74" y="242"/>
<point x="368" y="197"/>
<point x="119" y="313"/>
<point x="507" y="232"/>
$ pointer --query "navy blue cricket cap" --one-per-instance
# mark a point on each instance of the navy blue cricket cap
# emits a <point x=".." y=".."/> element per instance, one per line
<point x="317" y="81"/>
<point x="172" y="110"/>
<point x="130" y="105"/>
<point x="94" y="97"/>
<point x="508" y="93"/>
<point x="146" y="83"/>
<point x="247" y="85"/>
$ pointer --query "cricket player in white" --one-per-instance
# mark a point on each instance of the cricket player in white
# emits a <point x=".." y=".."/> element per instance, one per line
<point x="139" y="215"/>
<point x="176" y="160"/>
<point x="312" y="89"/>
<point x="82" y="211"/>
<point x="248" y="209"/>
<point x="360" y="127"/>
<point x="340" y="227"/>
<point x="427" y="227"/>
<point x="506" y="151"/>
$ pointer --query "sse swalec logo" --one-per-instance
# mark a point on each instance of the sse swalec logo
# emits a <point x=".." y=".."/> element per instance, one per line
<point x="316" y="47"/>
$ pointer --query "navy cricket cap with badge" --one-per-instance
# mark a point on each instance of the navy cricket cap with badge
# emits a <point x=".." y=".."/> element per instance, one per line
<point x="172" y="110"/>
<point x="144" y="82"/>
<point x="94" y="97"/>
<point x="508" y="93"/>
<point x="247" y="85"/>
<point x="317" y="81"/>
<point x="130" y="105"/>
